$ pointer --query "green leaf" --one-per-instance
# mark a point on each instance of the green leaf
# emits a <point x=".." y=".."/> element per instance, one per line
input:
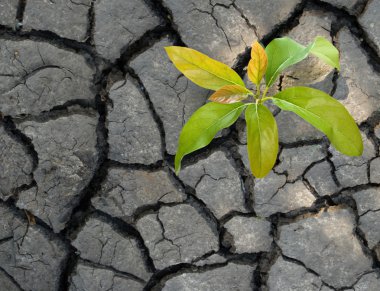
<point x="230" y="94"/>
<point x="326" y="51"/>
<point x="262" y="139"/>
<point x="201" y="69"/>
<point x="324" y="113"/>
<point x="203" y="125"/>
<point x="285" y="52"/>
<point x="282" y="53"/>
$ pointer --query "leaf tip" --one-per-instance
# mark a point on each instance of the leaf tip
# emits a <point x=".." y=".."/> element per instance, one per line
<point x="254" y="44"/>
<point x="359" y="150"/>
<point x="177" y="169"/>
<point x="357" y="153"/>
<point x="168" y="49"/>
<point x="261" y="174"/>
<point x="177" y="164"/>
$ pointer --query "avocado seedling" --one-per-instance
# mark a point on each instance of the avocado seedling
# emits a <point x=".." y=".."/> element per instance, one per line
<point x="231" y="98"/>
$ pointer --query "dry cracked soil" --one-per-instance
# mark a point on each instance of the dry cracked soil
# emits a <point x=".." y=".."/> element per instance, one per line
<point x="90" y="112"/>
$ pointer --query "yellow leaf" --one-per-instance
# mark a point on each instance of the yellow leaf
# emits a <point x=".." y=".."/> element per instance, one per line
<point x="258" y="64"/>
<point x="230" y="94"/>
<point x="201" y="69"/>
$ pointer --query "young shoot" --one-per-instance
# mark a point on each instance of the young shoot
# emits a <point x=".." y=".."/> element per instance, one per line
<point x="316" y="107"/>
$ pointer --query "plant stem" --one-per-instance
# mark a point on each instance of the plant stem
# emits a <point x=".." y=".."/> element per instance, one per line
<point x="258" y="92"/>
<point x="265" y="92"/>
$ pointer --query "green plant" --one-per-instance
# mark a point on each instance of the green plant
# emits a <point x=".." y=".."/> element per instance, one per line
<point x="318" y="108"/>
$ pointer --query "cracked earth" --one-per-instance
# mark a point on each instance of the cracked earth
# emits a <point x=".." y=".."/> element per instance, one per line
<point x="90" y="112"/>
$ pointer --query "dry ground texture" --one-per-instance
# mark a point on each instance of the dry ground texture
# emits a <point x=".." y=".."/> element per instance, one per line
<point x="91" y="109"/>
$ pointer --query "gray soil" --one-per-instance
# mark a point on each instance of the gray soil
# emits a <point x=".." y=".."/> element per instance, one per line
<point x="90" y="113"/>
